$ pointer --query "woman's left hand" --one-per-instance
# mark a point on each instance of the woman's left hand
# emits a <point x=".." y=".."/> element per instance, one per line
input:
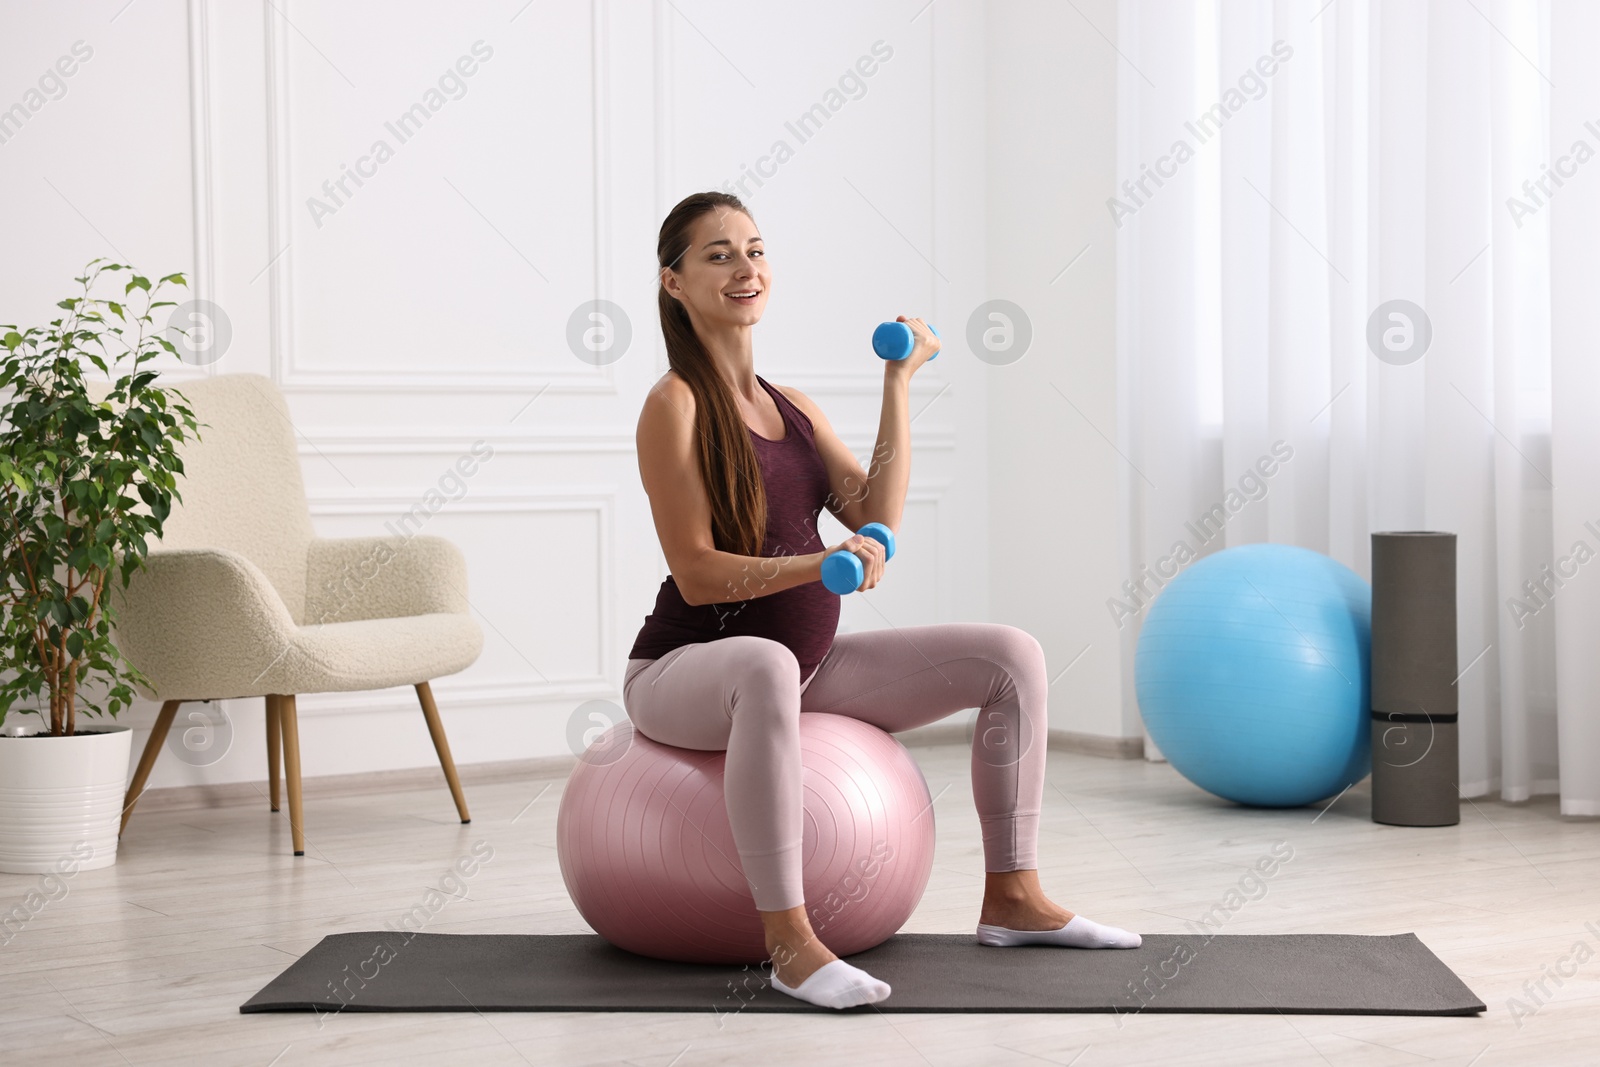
<point x="923" y="350"/>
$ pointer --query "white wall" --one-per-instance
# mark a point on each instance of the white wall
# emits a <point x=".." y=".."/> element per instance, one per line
<point x="1054" y="470"/>
<point x="430" y="307"/>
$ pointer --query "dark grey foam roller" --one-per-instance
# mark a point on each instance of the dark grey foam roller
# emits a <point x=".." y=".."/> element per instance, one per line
<point x="1415" y="756"/>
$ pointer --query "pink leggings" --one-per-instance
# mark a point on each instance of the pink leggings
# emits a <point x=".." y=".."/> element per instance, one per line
<point x="744" y="694"/>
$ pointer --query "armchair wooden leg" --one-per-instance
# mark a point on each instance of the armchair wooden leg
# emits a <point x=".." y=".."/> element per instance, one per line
<point x="289" y="723"/>
<point x="442" y="745"/>
<point x="147" y="759"/>
<point x="274" y="748"/>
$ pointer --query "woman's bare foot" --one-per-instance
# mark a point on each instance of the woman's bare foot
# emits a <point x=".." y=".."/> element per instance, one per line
<point x="1014" y="900"/>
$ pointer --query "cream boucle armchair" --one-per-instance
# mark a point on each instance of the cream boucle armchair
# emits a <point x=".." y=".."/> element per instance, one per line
<point x="241" y="599"/>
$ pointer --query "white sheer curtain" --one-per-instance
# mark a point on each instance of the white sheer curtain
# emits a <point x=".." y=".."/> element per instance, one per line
<point x="1339" y="156"/>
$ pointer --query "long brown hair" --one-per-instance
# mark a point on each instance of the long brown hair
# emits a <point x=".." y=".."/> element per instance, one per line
<point x="728" y="464"/>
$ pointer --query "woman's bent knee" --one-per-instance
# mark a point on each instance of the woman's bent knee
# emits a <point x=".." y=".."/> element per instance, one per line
<point x="763" y="660"/>
<point x="1018" y="647"/>
<point x="764" y="674"/>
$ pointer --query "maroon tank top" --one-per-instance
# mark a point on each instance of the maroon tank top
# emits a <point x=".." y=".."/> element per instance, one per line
<point x="803" y="617"/>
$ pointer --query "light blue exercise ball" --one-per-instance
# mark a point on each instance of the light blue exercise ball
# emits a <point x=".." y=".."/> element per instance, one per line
<point x="1253" y="674"/>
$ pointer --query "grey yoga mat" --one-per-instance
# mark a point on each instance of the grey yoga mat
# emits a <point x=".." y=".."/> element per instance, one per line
<point x="1415" y="760"/>
<point x="1308" y="974"/>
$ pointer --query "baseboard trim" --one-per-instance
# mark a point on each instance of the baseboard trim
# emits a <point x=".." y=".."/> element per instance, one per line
<point x="1097" y="744"/>
<point x="239" y="794"/>
<point x="235" y="794"/>
<point x="948" y="733"/>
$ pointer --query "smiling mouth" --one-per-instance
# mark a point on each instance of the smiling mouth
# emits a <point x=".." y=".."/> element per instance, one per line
<point x="744" y="296"/>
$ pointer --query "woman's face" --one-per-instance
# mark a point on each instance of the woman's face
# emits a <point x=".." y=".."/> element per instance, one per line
<point x="723" y="277"/>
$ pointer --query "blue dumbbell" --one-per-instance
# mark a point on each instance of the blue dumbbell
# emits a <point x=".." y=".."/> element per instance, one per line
<point x="842" y="571"/>
<point x="894" y="340"/>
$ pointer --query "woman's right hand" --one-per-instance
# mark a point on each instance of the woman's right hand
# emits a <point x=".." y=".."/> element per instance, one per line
<point x="871" y="553"/>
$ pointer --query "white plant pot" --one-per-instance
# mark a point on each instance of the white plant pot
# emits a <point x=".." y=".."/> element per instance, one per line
<point x="61" y="797"/>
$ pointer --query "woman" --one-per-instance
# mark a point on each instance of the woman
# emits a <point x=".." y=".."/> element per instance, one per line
<point x="742" y="638"/>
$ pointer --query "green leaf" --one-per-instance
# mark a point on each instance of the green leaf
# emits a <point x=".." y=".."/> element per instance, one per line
<point x="12" y="339"/>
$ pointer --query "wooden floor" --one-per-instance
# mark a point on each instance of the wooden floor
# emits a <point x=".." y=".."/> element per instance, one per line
<point x="148" y="961"/>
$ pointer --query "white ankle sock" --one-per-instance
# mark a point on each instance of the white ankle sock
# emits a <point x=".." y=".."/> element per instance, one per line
<point x="1078" y="933"/>
<point x="836" y="984"/>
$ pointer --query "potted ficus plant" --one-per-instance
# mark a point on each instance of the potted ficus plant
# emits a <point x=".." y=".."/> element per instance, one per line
<point x="88" y="473"/>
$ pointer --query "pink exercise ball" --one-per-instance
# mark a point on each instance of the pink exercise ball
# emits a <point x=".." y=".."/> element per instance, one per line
<point x="648" y="857"/>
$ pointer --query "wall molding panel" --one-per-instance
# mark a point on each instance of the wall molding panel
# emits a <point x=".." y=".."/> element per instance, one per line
<point x="291" y="376"/>
<point x="598" y="501"/>
<point x="203" y="276"/>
